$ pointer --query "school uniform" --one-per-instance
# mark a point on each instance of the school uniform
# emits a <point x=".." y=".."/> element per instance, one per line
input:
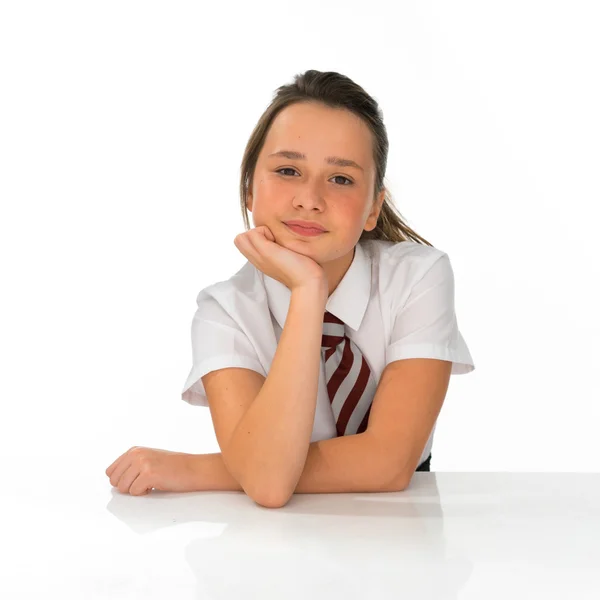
<point x="396" y="301"/>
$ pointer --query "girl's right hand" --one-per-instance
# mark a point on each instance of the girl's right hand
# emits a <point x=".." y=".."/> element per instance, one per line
<point x="292" y="269"/>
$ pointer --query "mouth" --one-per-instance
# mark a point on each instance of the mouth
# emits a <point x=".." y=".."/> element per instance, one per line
<point x="305" y="231"/>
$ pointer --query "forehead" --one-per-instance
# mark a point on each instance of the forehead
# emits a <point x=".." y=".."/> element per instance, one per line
<point x="312" y="128"/>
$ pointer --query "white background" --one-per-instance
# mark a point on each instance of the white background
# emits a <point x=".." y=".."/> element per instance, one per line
<point x="122" y="129"/>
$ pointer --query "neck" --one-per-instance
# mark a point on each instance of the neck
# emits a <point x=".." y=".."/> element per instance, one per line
<point x="336" y="269"/>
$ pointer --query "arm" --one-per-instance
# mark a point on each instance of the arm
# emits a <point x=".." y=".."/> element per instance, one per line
<point x="342" y="464"/>
<point x="349" y="463"/>
<point x="268" y="448"/>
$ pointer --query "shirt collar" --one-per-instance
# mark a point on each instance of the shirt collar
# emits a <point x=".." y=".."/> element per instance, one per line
<point x="348" y="302"/>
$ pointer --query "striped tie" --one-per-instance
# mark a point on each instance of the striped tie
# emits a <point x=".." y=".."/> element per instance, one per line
<point x="350" y="384"/>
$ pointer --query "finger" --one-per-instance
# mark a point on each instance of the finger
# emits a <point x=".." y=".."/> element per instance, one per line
<point x="111" y="468"/>
<point x="263" y="232"/>
<point x="120" y="468"/>
<point x="127" y="478"/>
<point x="243" y="243"/>
<point x="260" y="242"/>
<point x="249" y="249"/>
<point x="109" y="471"/>
<point x="269" y="234"/>
<point x="139" y="486"/>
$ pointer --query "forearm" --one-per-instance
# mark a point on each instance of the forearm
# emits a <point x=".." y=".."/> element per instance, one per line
<point x="269" y="446"/>
<point x="341" y="464"/>
<point x="348" y="463"/>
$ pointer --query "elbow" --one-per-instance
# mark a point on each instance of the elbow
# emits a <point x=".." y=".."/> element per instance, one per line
<point x="272" y="502"/>
<point x="398" y="482"/>
<point x="270" y="492"/>
<point x="264" y="493"/>
<point x="269" y="497"/>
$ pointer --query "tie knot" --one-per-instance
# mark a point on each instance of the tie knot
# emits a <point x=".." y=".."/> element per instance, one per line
<point x="333" y="331"/>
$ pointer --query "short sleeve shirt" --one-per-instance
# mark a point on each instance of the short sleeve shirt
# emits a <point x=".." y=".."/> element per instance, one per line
<point x="396" y="300"/>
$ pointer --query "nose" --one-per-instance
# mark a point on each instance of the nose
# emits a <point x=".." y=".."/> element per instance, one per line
<point x="308" y="201"/>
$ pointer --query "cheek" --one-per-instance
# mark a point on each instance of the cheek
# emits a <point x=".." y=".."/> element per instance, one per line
<point x="350" y="213"/>
<point x="273" y="188"/>
<point x="270" y="189"/>
<point x="273" y="194"/>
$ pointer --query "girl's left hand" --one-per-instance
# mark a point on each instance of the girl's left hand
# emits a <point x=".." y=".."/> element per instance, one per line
<point x="140" y="469"/>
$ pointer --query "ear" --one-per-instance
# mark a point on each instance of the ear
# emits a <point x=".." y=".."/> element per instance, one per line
<point x="249" y="202"/>
<point x="371" y="221"/>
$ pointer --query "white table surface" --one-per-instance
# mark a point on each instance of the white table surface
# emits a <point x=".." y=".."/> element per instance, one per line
<point x="70" y="534"/>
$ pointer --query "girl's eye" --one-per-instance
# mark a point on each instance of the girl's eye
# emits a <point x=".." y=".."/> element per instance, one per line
<point x="342" y="184"/>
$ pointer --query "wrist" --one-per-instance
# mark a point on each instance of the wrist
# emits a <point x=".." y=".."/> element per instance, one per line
<point x="210" y="474"/>
<point x="314" y="289"/>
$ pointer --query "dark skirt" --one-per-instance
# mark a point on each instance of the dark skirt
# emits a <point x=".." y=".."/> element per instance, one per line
<point x="425" y="465"/>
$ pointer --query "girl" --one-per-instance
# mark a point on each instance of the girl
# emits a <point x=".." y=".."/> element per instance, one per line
<point x="326" y="358"/>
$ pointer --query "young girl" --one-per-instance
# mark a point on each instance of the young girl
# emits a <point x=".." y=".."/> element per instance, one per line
<point x="326" y="358"/>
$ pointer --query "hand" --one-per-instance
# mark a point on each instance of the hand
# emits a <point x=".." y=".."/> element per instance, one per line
<point x="140" y="469"/>
<point x="286" y="266"/>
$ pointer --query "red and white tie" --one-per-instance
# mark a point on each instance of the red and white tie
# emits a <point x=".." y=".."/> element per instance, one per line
<point x="350" y="383"/>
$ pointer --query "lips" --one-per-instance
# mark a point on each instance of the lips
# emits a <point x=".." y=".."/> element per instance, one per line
<point x="306" y="225"/>
<point x="304" y="231"/>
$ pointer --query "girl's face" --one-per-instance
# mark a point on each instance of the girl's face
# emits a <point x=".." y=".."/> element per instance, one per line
<point x="338" y="197"/>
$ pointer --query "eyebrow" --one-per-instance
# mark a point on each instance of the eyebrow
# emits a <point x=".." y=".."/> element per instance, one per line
<point x="331" y="160"/>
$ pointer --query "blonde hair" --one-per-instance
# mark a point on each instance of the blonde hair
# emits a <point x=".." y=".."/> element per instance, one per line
<point x="335" y="91"/>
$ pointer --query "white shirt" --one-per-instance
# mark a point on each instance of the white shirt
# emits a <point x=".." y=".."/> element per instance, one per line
<point x="396" y="300"/>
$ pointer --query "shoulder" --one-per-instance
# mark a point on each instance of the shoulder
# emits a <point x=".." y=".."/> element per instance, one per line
<point x="235" y="297"/>
<point x="404" y="263"/>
